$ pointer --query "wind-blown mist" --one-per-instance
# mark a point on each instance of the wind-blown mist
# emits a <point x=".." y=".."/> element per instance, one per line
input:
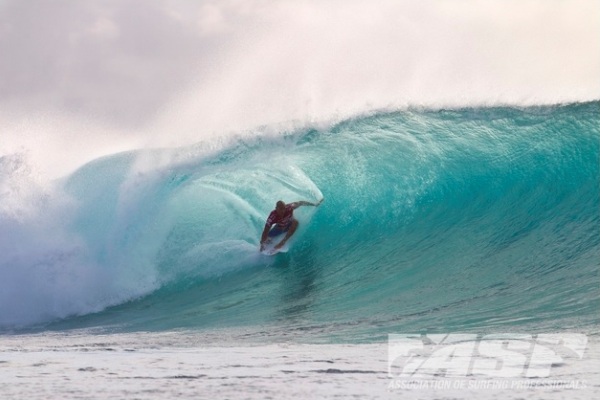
<point x="81" y="79"/>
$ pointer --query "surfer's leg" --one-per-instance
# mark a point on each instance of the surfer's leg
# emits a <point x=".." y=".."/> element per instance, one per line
<point x="290" y="231"/>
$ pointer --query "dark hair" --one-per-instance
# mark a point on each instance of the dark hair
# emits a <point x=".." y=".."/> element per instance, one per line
<point x="279" y="203"/>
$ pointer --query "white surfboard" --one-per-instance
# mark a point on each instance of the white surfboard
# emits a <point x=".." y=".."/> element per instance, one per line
<point x="269" y="248"/>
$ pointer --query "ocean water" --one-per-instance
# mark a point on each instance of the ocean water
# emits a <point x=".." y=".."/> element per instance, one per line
<point x="473" y="220"/>
<point x="180" y="365"/>
<point x="480" y="219"/>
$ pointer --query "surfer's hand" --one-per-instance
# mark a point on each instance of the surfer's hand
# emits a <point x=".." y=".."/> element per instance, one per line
<point x="262" y="246"/>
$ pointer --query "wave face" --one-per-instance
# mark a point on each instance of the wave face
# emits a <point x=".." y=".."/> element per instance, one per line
<point x="468" y="219"/>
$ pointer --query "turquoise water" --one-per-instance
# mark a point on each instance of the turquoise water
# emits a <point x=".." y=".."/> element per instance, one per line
<point x="476" y="219"/>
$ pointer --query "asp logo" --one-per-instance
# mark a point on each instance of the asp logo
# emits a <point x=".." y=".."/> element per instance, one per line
<point x="505" y="355"/>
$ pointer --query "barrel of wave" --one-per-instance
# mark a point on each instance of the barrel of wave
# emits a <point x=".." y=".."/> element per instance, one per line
<point x="217" y="218"/>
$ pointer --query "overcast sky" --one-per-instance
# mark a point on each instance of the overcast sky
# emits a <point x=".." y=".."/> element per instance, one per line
<point x="126" y="72"/>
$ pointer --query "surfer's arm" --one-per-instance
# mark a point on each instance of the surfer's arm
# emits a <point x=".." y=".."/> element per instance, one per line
<point x="264" y="236"/>
<point x="297" y="204"/>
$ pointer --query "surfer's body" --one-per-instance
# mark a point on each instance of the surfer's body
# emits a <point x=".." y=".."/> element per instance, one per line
<point x="283" y="219"/>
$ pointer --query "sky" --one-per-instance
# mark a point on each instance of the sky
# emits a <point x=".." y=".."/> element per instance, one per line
<point x="81" y="79"/>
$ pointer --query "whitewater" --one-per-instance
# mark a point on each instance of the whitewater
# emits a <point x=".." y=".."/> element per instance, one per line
<point x="457" y="153"/>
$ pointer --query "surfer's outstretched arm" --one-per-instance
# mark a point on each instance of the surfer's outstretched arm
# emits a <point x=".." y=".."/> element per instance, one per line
<point x="297" y="204"/>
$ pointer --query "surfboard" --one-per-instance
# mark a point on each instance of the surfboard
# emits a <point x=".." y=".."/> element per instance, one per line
<point x="270" y="250"/>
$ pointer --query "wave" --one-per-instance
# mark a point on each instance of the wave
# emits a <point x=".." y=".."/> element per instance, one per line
<point x="433" y="219"/>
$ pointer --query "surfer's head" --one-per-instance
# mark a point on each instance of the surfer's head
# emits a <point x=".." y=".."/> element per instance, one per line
<point x="280" y="207"/>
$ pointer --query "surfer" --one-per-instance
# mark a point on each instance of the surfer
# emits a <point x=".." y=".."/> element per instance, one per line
<point x="283" y="219"/>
